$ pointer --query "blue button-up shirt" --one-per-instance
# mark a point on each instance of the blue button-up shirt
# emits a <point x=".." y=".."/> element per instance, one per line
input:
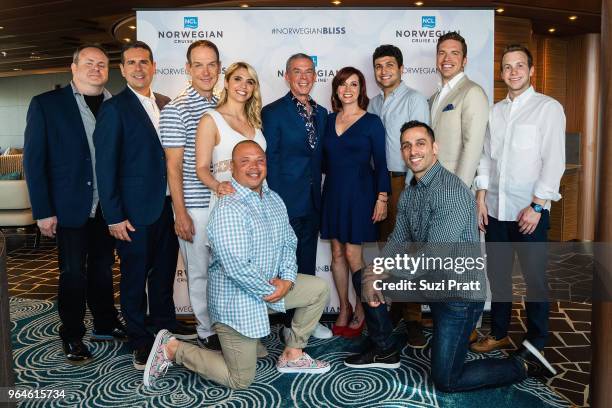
<point x="400" y="106"/>
<point x="252" y="242"/>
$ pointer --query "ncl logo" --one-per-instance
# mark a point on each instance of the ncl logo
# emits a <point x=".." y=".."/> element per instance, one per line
<point x="428" y="21"/>
<point x="314" y="60"/>
<point x="190" y="22"/>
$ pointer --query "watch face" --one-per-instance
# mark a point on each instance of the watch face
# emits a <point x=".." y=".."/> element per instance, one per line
<point x="537" y="208"/>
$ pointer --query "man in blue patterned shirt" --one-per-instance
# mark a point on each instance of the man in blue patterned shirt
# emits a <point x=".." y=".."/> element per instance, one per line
<point x="190" y="198"/>
<point x="253" y="269"/>
<point x="437" y="209"/>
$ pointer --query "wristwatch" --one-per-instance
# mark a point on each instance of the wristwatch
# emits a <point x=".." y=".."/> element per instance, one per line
<point x="536" y="207"/>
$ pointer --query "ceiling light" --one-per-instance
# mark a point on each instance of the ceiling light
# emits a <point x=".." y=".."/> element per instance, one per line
<point x="132" y="27"/>
<point x="336" y="2"/>
<point x="244" y="5"/>
<point x="573" y="17"/>
<point x="552" y="29"/>
<point x="34" y="56"/>
<point x="16" y="69"/>
<point x="1" y="28"/>
<point x="4" y="53"/>
<point x="500" y="10"/>
<point x="418" y="3"/>
<point x="127" y="39"/>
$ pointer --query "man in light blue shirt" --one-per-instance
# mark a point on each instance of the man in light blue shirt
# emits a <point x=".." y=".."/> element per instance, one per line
<point x="253" y="269"/>
<point x="395" y="105"/>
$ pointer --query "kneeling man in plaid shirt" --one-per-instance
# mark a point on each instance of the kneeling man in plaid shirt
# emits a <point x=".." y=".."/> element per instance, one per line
<point x="253" y="270"/>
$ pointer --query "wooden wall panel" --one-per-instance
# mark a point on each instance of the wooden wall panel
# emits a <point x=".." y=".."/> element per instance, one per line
<point x="508" y="30"/>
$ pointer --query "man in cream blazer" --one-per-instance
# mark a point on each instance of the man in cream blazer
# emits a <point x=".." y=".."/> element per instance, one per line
<point x="459" y="110"/>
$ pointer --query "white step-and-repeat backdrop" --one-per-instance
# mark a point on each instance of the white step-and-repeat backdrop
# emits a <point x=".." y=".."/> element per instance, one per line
<point x="333" y="37"/>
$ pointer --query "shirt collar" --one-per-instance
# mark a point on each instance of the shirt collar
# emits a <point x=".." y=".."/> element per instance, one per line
<point x="311" y="101"/>
<point x="453" y="82"/>
<point x="107" y="94"/>
<point x="191" y="91"/>
<point x="426" y="180"/>
<point x="143" y="98"/>
<point x="243" y="192"/>
<point x="400" y="90"/>
<point x="519" y="100"/>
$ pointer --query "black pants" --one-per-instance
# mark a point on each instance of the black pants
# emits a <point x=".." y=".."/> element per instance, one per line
<point x="149" y="260"/>
<point x="85" y="257"/>
<point x="306" y="230"/>
<point x="533" y="260"/>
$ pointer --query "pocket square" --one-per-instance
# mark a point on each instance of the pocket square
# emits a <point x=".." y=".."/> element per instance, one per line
<point x="448" y="107"/>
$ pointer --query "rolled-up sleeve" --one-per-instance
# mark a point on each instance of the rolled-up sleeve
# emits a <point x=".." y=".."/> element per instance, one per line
<point x="481" y="181"/>
<point x="552" y="152"/>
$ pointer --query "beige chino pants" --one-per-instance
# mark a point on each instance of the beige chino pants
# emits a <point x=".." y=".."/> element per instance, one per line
<point x="235" y="368"/>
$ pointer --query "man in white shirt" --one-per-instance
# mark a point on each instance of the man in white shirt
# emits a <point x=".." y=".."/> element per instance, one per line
<point x="135" y="201"/>
<point x="459" y="110"/>
<point x="518" y="176"/>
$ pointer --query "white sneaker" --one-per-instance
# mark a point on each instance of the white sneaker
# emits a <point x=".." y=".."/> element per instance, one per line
<point x="322" y="332"/>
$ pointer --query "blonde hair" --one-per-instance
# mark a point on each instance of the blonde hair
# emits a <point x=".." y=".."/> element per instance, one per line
<point x="253" y="105"/>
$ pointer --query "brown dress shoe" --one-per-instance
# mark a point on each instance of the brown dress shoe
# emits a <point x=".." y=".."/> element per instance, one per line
<point x="473" y="336"/>
<point x="490" y="343"/>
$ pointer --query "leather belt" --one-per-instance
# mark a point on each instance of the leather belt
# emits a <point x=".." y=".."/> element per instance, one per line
<point x="397" y="174"/>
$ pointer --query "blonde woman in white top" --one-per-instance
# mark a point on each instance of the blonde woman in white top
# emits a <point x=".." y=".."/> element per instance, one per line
<point x="236" y="118"/>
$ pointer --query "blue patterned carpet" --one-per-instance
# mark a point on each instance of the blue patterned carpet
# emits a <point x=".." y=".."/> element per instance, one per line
<point x="110" y="380"/>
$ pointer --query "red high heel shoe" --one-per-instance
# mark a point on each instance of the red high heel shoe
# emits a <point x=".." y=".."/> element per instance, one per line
<point x="356" y="332"/>
<point x="339" y="330"/>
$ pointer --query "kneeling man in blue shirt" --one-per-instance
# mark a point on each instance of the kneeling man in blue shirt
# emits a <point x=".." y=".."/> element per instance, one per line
<point x="253" y="269"/>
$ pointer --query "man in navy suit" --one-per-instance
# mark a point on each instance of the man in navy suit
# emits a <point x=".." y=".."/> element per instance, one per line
<point x="136" y="203"/>
<point x="293" y="127"/>
<point x="59" y="166"/>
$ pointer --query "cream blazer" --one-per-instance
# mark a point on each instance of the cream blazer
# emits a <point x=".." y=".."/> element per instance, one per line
<point x="459" y="123"/>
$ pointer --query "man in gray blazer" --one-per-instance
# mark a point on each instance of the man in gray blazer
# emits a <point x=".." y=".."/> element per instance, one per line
<point x="459" y="110"/>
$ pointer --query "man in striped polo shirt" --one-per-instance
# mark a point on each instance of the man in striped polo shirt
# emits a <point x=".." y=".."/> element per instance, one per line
<point x="190" y="198"/>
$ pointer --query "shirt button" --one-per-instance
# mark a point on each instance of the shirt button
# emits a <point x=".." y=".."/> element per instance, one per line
<point x="89" y="183"/>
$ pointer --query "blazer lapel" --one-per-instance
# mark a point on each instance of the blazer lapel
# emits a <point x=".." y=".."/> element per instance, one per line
<point x="73" y="111"/>
<point x="141" y="113"/>
<point x="298" y="122"/>
<point x="449" y="97"/>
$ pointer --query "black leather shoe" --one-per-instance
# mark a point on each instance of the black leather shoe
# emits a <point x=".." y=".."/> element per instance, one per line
<point x="139" y="357"/>
<point x="374" y="358"/>
<point x="76" y="352"/>
<point x="183" y="331"/>
<point x="534" y="361"/>
<point x="210" y="343"/>
<point x="118" y="333"/>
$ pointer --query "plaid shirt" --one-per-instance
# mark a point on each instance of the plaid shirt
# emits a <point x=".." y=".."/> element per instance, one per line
<point x="435" y="215"/>
<point x="252" y="242"/>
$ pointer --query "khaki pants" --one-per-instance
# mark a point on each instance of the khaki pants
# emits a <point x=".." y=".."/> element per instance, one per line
<point x="235" y="368"/>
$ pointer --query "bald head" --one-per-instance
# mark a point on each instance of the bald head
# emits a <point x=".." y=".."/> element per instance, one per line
<point x="249" y="164"/>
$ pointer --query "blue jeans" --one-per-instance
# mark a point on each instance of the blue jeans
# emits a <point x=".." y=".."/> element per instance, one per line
<point x="453" y="323"/>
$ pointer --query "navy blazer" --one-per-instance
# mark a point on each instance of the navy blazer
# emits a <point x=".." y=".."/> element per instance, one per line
<point x="294" y="168"/>
<point x="130" y="161"/>
<point x="56" y="159"/>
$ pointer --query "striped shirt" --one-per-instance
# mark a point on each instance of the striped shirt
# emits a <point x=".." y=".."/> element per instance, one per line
<point x="252" y="242"/>
<point x="177" y="126"/>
